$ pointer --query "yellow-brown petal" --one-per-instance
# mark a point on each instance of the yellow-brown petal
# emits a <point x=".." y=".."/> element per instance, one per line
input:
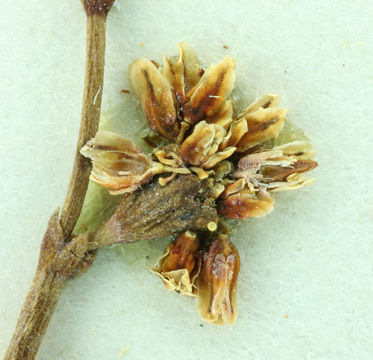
<point x="263" y="102"/>
<point x="233" y="188"/>
<point x="155" y="96"/>
<point x="223" y="115"/>
<point x="273" y="173"/>
<point x="262" y="125"/>
<point x="218" y="157"/>
<point x="168" y="70"/>
<point x="222" y="169"/>
<point x="302" y="150"/>
<point x="218" y="138"/>
<point x="181" y="264"/>
<point x="187" y="72"/>
<point x="293" y="182"/>
<point x="211" y="92"/>
<point x="217" y="283"/>
<point x="201" y="147"/>
<point x="246" y="204"/>
<point x="192" y="69"/>
<point x="120" y="184"/>
<point x="118" y="163"/>
<point x="237" y="130"/>
<point x="115" y="153"/>
<point x="196" y="146"/>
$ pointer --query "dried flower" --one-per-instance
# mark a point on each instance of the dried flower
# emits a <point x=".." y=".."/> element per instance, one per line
<point x="181" y="264"/>
<point x="261" y="173"/>
<point x="217" y="284"/>
<point x="118" y="163"/>
<point x="156" y="98"/>
<point x="231" y="154"/>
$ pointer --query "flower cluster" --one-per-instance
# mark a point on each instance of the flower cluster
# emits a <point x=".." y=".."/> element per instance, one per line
<point x="190" y="108"/>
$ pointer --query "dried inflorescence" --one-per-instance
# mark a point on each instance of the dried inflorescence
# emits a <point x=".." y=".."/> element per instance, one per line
<point x="231" y="152"/>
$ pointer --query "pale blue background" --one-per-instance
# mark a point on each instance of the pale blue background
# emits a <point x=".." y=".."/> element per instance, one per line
<point x="310" y="260"/>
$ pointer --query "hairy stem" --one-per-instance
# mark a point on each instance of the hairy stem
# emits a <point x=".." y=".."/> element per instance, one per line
<point x="94" y="77"/>
<point x="60" y="257"/>
<point x="36" y="313"/>
<point x="57" y="263"/>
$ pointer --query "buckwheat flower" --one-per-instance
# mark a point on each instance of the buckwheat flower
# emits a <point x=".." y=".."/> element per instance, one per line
<point x="261" y="173"/>
<point x="229" y="153"/>
<point x="217" y="283"/>
<point x="118" y="163"/>
<point x="181" y="264"/>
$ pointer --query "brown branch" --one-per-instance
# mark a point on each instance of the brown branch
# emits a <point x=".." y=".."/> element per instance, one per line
<point x="93" y="88"/>
<point x="57" y="263"/>
<point x="60" y="258"/>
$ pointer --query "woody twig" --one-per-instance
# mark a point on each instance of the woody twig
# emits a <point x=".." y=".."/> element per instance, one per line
<point x="62" y="257"/>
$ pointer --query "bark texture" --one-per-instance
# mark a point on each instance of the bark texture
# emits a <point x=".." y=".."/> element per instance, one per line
<point x="58" y="262"/>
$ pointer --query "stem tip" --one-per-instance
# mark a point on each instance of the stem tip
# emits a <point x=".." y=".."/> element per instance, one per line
<point x="97" y="7"/>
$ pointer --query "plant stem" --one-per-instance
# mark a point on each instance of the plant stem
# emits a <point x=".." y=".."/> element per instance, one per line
<point x="94" y="76"/>
<point x="57" y="263"/>
<point x="60" y="257"/>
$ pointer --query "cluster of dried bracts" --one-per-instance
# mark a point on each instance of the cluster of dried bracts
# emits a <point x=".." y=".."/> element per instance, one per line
<point x="189" y="108"/>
